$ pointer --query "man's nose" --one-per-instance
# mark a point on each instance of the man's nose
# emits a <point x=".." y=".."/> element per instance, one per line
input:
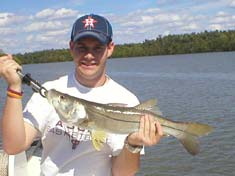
<point x="89" y="55"/>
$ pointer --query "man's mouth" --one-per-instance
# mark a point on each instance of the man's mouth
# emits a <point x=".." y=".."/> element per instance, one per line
<point x="88" y="63"/>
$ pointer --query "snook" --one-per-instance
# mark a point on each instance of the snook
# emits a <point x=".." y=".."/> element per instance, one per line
<point x="101" y="118"/>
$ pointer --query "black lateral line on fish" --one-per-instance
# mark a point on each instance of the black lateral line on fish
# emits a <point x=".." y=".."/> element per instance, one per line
<point x="123" y="120"/>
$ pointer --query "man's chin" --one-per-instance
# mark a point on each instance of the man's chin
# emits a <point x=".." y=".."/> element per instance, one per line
<point x="88" y="74"/>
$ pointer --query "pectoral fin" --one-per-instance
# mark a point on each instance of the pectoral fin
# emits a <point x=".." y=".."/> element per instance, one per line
<point x="98" y="139"/>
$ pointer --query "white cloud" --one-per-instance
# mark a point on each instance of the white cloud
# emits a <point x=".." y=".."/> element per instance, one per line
<point x="155" y="18"/>
<point x="45" y="13"/>
<point x="216" y="27"/>
<point x="222" y="21"/>
<point x="44" y="30"/>
<point x="9" y="19"/>
<point x="206" y="15"/>
<point x="56" y="14"/>
<point x="221" y="14"/>
<point x="6" y="44"/>
<point x="30" y="38"/>
<point x="149" y="24"/>
<point x="152" y="10"/>
<point x="232" y="3"/>
<point x="65" y="13"/>
<point x="166" y="33"/>
<point x="39" y="26"/>
<point x="57" y="33"/>
<point x="4" y="31"/>
<point x="42" y="38"/>
<point x="49" y="37"/>
<point x="37" y="38"/>
<point x="190" y="27"/>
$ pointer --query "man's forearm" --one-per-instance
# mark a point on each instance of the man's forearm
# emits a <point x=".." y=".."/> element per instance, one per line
<point x="13" y="131"/>
<point x="126" y="163"/>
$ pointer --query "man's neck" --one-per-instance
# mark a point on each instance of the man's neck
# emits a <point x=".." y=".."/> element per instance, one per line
<point x="91" y="83"/>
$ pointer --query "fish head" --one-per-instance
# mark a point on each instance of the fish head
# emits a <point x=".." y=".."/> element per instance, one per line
<point x="68" y="108"/>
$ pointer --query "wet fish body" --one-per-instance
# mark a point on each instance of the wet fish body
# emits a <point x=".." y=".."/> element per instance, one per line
<point x="103" y="118"/>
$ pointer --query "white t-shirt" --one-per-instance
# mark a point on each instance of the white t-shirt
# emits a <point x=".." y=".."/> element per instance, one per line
<point x="68" y="150"/>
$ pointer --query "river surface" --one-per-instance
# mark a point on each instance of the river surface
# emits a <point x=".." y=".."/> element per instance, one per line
<point x="192" y="87"/>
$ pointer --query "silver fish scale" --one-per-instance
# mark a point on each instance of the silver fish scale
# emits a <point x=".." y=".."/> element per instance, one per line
<point x="114" y="121"/>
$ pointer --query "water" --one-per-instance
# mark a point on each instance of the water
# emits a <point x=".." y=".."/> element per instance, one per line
<point x="194" y="87"/>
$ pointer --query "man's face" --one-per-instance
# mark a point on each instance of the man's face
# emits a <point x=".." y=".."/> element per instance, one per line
<point x="90" y="57"/>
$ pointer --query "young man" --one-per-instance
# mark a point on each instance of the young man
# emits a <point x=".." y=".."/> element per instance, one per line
<point x="68" y="150"/>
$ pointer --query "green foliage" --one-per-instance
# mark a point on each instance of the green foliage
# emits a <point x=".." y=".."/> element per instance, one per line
<point x="58" y="55"/>
<point x="214" y="41"/>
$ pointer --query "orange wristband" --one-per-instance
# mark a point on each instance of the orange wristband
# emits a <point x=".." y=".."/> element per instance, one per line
<point x="12" y="95"/>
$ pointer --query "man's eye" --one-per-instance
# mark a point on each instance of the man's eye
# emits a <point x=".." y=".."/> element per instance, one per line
<point x="81" y="48"/>
<point x="98" y="49"/>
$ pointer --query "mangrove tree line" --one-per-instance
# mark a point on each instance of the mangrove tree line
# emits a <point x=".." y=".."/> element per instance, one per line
<point x="215" y="41"/>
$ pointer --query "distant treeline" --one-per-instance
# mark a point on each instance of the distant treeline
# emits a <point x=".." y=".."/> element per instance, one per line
<point x="216" y="41"/>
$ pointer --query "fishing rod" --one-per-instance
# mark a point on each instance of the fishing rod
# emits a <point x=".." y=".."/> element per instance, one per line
<point x="28" y="80"/>
<point x="34" y="84"/>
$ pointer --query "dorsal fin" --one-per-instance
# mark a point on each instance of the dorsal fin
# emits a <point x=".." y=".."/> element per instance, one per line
<point x="150" y="105"/>
<point x="147" y="105"/>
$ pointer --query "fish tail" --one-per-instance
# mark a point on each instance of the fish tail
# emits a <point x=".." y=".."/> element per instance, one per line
<point x="188" y="134"/>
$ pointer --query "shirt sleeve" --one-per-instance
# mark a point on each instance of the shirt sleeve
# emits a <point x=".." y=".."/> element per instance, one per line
<point x="37" y="112"/>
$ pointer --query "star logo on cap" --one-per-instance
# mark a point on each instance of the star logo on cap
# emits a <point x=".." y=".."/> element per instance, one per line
<point x="89" y="22"/>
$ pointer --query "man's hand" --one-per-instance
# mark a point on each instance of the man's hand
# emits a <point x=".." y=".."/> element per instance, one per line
<point x="149" y="134"/>
<point x="8" y="69"/>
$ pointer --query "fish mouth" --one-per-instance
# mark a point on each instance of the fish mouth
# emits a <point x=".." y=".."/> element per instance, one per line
<point x="50" y="96"/>
<point x="51" y="100"/>
<point x="46" y="94"/>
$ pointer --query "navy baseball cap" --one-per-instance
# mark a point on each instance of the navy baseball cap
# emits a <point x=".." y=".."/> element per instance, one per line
<point x="92" y="26"/>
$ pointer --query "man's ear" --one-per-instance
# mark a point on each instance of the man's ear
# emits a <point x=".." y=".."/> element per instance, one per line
<point x="71" y="45"/>
<point x="111" y="46"/>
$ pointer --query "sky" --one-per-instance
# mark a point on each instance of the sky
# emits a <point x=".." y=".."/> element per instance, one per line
<point x="29" y="25"/>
